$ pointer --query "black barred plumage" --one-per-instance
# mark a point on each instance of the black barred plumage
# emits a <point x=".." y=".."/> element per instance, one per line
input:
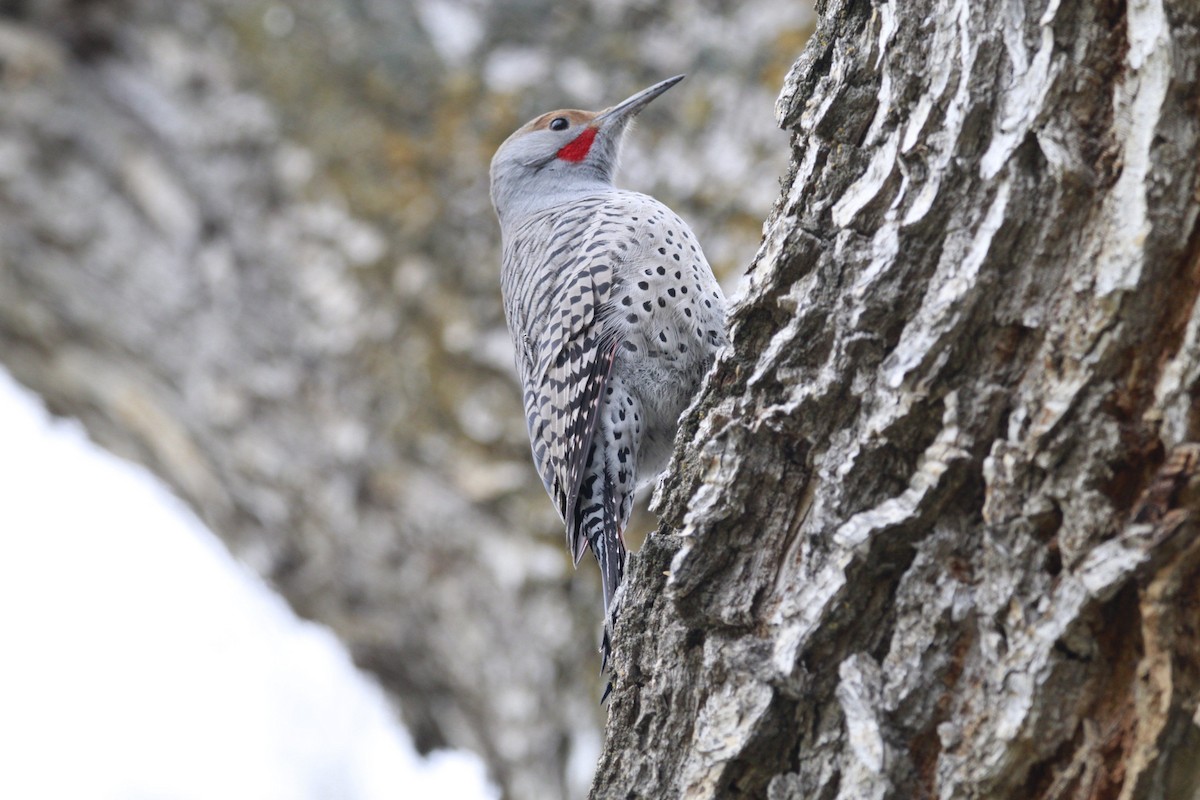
<point x="615" y="317"/>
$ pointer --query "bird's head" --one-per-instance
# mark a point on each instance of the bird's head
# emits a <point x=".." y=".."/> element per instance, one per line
<point x="563" y="154"/>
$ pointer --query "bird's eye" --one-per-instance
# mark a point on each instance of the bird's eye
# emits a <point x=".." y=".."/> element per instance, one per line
<point x="559" y="124"/>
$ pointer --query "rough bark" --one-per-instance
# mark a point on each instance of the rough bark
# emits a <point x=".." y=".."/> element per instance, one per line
<point x="931" y="529"/>
<point x="248" y="243"/>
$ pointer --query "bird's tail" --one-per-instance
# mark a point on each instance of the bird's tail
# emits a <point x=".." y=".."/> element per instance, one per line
<point x="610" y="555"/>
<point x="609" y="547"/>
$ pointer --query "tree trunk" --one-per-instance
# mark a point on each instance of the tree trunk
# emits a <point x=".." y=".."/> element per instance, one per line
<point x="931" y="528"/>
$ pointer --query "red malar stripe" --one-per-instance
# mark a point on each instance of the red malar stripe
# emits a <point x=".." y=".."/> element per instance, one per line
<point x="578" y="149"/>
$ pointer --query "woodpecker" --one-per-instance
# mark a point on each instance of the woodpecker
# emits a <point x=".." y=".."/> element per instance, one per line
<point x="615" y="317"/>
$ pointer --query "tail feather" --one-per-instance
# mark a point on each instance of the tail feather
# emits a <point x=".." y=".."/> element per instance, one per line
<point x="609" y="547"/>
<point x="610" y="555"/>
<point x="605" y="500"/>
<point x="605" y="652"/>
<point x="606" y="649"/>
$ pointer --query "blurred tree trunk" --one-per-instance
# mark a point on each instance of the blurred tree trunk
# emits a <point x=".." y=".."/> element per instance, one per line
<point x="173" y="275"/>
<point x="931" y="530"/>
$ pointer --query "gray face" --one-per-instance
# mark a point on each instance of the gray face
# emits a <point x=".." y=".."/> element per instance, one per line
<point x="562" y="155"/>
<point x="552" y="158"/>
<point x="553" y="130"/>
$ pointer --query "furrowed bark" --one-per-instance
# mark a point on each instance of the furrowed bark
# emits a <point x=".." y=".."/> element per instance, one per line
<point x="931" y="528"/>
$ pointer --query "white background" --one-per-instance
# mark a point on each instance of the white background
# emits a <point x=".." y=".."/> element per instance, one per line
<point x="139" y="661"/>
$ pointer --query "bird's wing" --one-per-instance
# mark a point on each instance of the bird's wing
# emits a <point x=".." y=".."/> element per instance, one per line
<point x="566" y="388"/>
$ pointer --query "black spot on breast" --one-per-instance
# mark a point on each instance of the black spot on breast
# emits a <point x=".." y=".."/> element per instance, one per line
<point x="643" y="285"/>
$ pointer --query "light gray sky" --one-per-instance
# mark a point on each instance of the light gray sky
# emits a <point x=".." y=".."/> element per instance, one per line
<point x="141" y="662"/>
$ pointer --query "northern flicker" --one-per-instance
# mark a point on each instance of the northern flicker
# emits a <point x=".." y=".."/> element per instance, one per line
<point x="614" y="314"/>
